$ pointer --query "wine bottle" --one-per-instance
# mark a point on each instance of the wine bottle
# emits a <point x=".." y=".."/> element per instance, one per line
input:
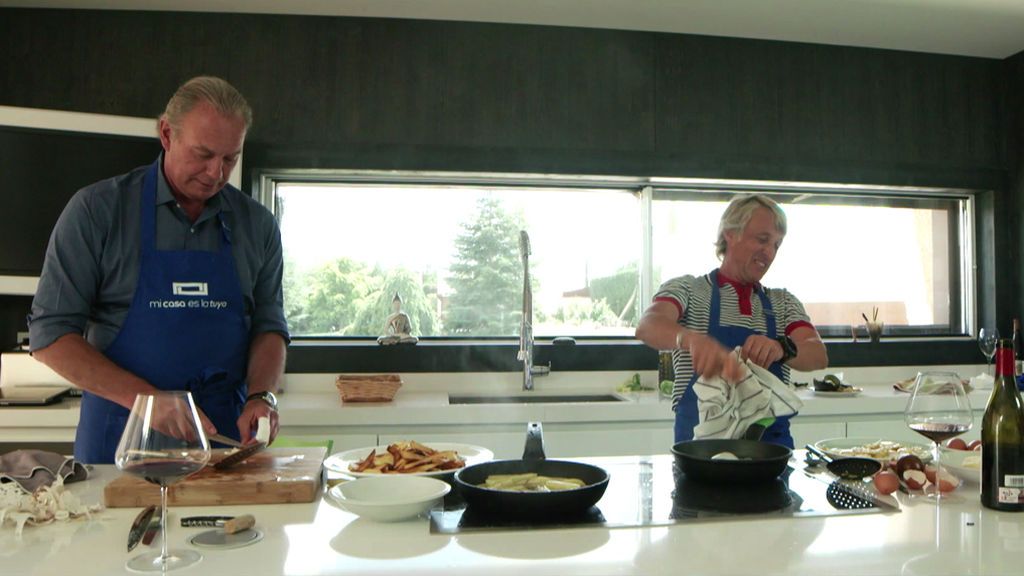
<point x="1002" y="438"/>
<point x="1018" y="352"/>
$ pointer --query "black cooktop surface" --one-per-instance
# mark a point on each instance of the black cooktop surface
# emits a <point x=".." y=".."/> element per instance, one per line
<point x="650" y="491"/>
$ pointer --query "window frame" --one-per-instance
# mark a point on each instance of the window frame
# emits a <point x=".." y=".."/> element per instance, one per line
<point x="454" y="354"/>
<point x="963" y="309"/>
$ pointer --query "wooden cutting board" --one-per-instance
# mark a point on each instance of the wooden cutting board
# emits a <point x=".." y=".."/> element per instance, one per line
<point x="272" y="476"/>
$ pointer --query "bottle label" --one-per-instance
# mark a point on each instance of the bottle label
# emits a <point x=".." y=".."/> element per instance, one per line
<point x="1014" y="480"/>
<point x="1010" y="495"/>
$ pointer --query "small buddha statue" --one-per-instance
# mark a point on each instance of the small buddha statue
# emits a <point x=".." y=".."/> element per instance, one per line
<point x="397" y="326"/>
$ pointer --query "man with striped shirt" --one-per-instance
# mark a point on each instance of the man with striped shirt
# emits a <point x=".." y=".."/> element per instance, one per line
<point x="703" y="318"/>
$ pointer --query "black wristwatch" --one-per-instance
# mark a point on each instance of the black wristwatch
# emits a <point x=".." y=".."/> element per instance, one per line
<point x="788" y="348"/>
<point x="267" y="397"/>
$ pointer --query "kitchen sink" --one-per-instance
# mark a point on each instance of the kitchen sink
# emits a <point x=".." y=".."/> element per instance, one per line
<point x="536" y="399"/>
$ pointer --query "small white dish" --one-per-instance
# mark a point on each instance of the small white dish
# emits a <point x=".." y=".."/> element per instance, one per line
<point x="389" y="498"/>
<point x="964" y="464"/>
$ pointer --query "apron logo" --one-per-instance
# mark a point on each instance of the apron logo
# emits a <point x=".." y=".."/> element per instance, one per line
<point x="189" y="289"/>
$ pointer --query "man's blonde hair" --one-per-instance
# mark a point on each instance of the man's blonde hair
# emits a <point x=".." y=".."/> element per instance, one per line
<point x="217" y="92"/>
<point x="738" y="213"/>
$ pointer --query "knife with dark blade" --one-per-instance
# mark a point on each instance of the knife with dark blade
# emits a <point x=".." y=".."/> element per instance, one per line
<point x="155" y="524"/>
<point x="139" y="526"/>
<point x="240" y="456"/>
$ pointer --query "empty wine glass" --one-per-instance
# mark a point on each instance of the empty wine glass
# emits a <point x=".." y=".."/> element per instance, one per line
<point x="987" y="339"/>
<point x="163" y="442"/>
<point x="938" y="409"/>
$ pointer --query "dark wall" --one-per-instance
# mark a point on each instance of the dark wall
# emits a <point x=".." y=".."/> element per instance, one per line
<point x="1015" y="154"/>
<point x="348" y="92"/>
<point x="39" y="172"/>
<point x="376" y="93"/>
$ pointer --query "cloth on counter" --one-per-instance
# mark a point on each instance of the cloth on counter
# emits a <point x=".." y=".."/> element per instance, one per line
<point x="727" y="410"/>
<point x="33" y="469"/>
<point x="908" y="386"/>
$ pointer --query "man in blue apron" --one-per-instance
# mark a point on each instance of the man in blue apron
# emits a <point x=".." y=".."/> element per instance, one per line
<point x="168" y="278"/>
<point x="702" y="319"/>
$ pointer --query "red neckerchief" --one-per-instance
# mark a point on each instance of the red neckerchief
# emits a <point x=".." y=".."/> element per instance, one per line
<point x="743" y="292"/>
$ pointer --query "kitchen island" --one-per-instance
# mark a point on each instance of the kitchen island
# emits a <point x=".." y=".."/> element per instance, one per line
<point x="958" y="537"/>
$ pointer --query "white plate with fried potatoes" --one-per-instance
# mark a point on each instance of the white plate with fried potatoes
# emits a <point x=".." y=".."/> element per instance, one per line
<point x="882" y="450"/>
<point x="343" y="462"/>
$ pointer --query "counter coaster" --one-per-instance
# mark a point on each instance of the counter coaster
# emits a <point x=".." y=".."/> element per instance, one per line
<point x="218" y="539"/>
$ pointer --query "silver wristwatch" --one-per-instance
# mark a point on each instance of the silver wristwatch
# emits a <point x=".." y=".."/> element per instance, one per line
<point x="265" y="396"/>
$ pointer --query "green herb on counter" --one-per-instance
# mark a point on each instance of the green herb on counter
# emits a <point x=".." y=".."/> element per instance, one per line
<point x="633" y="384"/>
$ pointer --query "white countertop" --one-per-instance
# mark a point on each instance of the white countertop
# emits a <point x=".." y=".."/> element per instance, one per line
<point x="428" y="407"/>
<point x="311" y="407"/>
<point x="957" y="537"/>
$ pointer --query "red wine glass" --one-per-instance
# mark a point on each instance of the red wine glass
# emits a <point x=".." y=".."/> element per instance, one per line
<point x="938" y="409"/>
<point x="163" y="442"/>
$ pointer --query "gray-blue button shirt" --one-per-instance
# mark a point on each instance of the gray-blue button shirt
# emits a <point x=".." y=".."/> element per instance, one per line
<point x="92" y="260"/>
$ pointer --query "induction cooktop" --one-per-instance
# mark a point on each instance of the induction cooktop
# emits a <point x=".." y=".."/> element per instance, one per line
<point x="651" y="491"/>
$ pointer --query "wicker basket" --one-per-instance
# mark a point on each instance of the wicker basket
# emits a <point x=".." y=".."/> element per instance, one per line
<point x="368" y="387"/>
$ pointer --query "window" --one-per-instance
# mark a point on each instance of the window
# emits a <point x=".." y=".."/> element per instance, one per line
<point x="451" y="252"/>
<point x="845" y="256"/>
<point x="448" y="246"/>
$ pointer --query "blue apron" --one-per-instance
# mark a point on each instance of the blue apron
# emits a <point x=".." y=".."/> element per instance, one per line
<point x="730" y="337"/>
<point x="186" y="330"/>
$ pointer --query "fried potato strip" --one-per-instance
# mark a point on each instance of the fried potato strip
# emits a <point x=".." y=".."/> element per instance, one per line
<point x="408" y="457"/>
<point x="530" y="482"/>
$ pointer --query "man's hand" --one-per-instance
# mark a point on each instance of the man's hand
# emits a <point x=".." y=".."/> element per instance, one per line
<point x="762" y="350"/>
<point x="176" y="423"/>
<point x="711" y="359"/>
<point x="248" y="422"/>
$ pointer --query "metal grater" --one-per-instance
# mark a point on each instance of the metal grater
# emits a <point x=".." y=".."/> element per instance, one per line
<point x="844" y="498"/>
<point x="239" y="456"/>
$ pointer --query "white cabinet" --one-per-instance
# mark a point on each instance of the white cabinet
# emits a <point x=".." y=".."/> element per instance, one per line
<point x="296" y="435"/>
<point x="607" y="439"/>
<point x="561" y="440"/>
<point x="889" y="427"/>
<point x="810" y="432"/>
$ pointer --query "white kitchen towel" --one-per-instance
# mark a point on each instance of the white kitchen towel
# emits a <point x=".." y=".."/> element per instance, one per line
<point x="727" y="410"/>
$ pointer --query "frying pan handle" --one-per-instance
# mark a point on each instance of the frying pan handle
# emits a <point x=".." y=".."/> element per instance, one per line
<point x="825" y="457"/>
<point x="534" y="442"/>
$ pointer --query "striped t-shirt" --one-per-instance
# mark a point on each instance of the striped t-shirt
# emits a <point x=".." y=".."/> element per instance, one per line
<point x="692" y="296"/>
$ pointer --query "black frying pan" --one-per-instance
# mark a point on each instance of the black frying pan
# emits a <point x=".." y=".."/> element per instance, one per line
<point x="758" y="461"/>
<point x="532" y="504"/>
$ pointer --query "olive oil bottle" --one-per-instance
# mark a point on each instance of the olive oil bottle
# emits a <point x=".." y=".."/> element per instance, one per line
<point x="1002" y="438"/>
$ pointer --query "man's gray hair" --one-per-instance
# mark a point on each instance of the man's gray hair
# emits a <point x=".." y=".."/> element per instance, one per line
<point x="738" y="213"/>
<point x="219" y="93"/>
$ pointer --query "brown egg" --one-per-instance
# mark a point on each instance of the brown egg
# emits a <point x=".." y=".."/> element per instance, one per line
<point x="915" y="479"/>
<point x="886" y="482"/>
<point x="908" y="462"/>
<point x="956" y="444"/>
<point x="929" y="473"/>
<point x="947" y="482"/>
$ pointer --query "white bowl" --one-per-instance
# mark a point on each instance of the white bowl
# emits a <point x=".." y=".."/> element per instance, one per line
<point x="965" y="464"/>
<point x="390" y="498"/>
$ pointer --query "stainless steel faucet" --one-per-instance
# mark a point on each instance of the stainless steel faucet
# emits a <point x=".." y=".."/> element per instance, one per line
<point x="526" y="323"/>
